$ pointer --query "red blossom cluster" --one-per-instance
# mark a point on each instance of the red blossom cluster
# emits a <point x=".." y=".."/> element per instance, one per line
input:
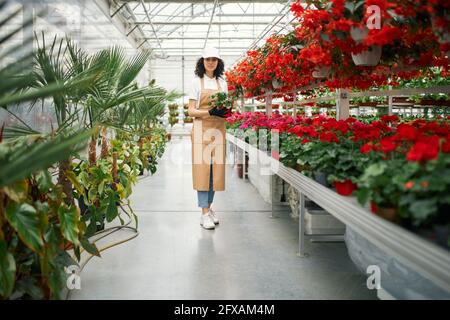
<point x="419" y="140"/>
<point x="413" y="34"/>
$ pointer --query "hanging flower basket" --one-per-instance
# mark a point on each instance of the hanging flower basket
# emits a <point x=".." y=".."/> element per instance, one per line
<point x="276" y="84"/>
<point x="368" y="58"/>
<point x="321" y="72"/>
<point x="442" y="33"/>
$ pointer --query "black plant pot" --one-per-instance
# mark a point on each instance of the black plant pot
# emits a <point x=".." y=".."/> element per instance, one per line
<point x="321" y="178"/>
<point x="82" y="205"/>
<point x="442" y="235"/>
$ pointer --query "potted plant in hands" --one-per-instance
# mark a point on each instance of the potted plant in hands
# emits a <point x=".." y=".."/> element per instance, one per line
<point x="222" y="100"/>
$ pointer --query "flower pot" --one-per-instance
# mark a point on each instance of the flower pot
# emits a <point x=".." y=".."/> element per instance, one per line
<point x="240" y="170"/>
<point x="321" y="178"/>
<point x="359" y="34"/>
<point x="442" y="34"/>
<point x="373" y="207"/>
<point x="82" y="205"/>
<point x="345" y="188"/>
<point x="389" y="214"/>
<point x="276" y="84"/>
<point x="368" y="58"/>
<point x="321" y="72"/>
<point x="442" y="235"/>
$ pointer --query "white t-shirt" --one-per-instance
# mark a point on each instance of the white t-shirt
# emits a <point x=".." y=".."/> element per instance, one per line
<point x="209" y="83"/>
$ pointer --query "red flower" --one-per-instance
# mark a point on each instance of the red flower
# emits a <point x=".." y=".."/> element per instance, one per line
<point x="328" y="137"/>
<point x="424" y="149"/>
<point x="392" y="118"/>
<point x="406" y="132"/>
<point x="446" y="146"/>
<point x="305" y="141"/>
<point x="409" y="185"/>
<point x="387" y="145"/>
<point x="366" y="148"/>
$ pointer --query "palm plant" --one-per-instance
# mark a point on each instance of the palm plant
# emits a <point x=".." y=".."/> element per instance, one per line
<point x="30" y="263"/>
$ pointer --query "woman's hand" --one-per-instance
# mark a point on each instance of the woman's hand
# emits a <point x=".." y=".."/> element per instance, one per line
<point x="222" y="112"/>
<point x="195" y="113"/>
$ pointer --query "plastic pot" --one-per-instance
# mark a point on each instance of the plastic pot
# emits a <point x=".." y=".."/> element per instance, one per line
<point x="389" y="214"/>
<point x="321" y="72"/>
<point x="345" y="188"/>
<point x="321" y="178"/>
<point x="368" y="58"/>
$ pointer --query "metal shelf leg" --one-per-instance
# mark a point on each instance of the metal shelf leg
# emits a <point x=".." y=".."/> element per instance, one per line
<point x="301" y="228"/>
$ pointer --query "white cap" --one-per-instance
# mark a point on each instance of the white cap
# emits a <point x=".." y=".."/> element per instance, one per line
<point x="210" y="52"/>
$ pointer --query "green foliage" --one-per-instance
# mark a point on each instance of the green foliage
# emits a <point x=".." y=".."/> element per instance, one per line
<point x="37" y="225"/>
<point x="222" y="100"/>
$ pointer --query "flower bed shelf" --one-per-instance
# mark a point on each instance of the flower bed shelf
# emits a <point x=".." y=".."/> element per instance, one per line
<point x="421" y="255"/>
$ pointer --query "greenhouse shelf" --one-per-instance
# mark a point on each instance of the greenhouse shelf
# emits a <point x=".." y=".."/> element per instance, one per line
<point x="424" y="257"/>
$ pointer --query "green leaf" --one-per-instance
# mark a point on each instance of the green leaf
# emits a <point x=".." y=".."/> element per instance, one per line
<point x="375" y="169"/>
<point x="363" y="195"/>
<point x="69" y="218"/>
<point x="18" y="191"/>
<point x="76" y="180"/>
<point x="111" y="212"/>
<point x="7" y="271"/>
<point x="422" y="209"/>
<point x="30" y="286"/>
<point x="89" y="247"/>
<point x="24" y="219"/>
<point x="101" y="186"/>
<point x="16" y="164"/>
<point x="44" y="181"/>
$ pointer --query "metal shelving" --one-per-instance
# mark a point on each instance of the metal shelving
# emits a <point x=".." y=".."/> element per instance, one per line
<point x="425" y="257"/>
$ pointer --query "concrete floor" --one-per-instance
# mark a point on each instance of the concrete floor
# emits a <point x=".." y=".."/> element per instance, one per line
<point x="249" y="256"/>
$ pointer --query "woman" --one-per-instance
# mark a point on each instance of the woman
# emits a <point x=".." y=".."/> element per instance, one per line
<point x="208" y="134"/>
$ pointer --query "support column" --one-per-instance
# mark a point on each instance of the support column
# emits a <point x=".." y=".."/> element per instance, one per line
<point x="294" y="106"/>
<point x="269" y="103"/>
<point x="342" y="104"/>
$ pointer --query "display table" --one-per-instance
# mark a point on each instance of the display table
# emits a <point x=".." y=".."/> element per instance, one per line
<point x="420" y="255"/>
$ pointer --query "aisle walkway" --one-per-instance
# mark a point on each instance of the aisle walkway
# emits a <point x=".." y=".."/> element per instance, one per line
<point x="249" y="256"/>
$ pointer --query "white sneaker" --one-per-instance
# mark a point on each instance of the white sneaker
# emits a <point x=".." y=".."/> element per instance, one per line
<point x="206" y="221"/>
<point x="213" y="216"/>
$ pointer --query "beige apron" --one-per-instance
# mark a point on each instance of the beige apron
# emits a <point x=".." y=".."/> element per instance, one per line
<point x="208" y="143"/>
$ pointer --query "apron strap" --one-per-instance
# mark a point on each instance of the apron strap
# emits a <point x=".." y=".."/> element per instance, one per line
<point x="218" y="85"/>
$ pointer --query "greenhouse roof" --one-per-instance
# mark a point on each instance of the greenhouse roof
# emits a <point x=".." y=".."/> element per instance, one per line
<point x="180" y="27"/>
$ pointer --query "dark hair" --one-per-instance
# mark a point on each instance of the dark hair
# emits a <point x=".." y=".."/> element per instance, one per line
<point x="200" y="68"/>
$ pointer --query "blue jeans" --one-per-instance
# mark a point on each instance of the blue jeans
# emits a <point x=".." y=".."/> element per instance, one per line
<point x="205" y="198"/>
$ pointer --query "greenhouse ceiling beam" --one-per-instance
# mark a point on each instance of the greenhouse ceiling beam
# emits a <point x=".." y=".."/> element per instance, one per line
<point x="151" y="24"/>
<point x="210" y="22"/>
<point x="172" y="23"/>
<point x="197" y="48"/>
<point x="118" y="21"/>
<point x="211" y="1"/>
<point x="192" y="18"/>
<point x="247" y="15"/>
<point x="200" y="38"/>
